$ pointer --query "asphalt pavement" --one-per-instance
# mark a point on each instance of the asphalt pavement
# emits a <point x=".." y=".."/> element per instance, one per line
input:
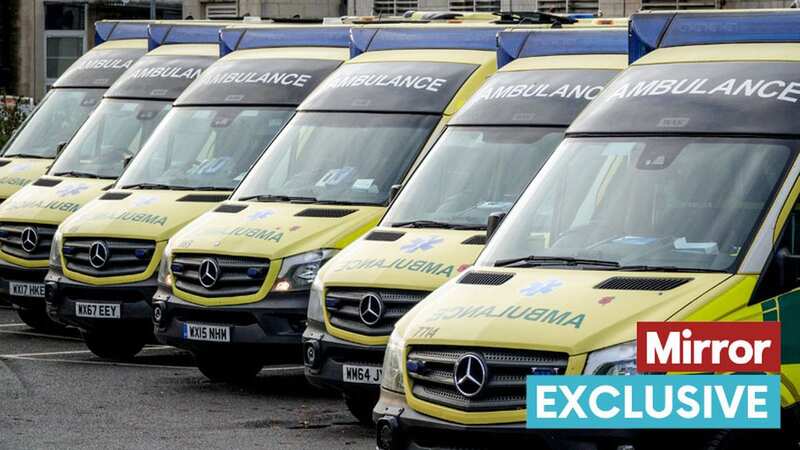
<point x="54" y="394"/>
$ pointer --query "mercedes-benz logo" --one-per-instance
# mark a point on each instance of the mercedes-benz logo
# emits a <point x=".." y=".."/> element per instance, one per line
<point x="30" y="239"/>
<point x="208" y="274"/>
<point x="470" y="374"/>
<point x="98" y="254"/>
<point x="370" y="309"/>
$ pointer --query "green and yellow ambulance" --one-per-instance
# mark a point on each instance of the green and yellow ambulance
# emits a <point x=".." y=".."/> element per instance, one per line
<point x="104" y="260"/>
<point x="674" y="197"/>
<point x="97" y="154"/>
<point x="73" y="97"/>
<point x="436" y="227"/>
<point x="237" y="280"/>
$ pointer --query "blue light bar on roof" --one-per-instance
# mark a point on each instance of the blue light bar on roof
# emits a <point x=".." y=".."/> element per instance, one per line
<point x="373" y="39"/>
<point x="245" y="38"/>
<point x="163" y="34"/>
<point x="115" y="31"/>
<point x="513" y="45"/>
<point x="649" y="31"/>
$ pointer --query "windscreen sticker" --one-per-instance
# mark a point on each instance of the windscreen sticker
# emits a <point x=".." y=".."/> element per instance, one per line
<point x="211" y="166"/>
<point x="545" y="97"/>
<point x="511" y="312"/>
<point x="335" y="176"/>
<point x="171" y="75"/>
<point x="391" y="86"/>
<point x="715" y="97"/>
<point x="99" y="68"/>
<point x="363" y="184"/>
<point x="260" y="81"/>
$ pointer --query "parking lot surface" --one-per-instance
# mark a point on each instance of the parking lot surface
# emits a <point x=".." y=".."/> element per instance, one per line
<point x="55" y="394"/>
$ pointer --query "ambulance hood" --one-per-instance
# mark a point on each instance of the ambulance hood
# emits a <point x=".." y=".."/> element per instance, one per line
<point x="18" y="172"/>
<point x="50" y="200"/>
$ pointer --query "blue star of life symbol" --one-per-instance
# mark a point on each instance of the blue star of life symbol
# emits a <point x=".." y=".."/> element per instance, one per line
<point x="539" y="287"/>
<point x="422" y="244"/>
<point x="144" y="201"/>
<point x="71" y="189"/>
<point x="258" y="215"/>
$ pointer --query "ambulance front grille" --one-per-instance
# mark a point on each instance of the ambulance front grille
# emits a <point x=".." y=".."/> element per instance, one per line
<point x="102" y="257"/>
<point x="433" y="378"/>
<point x="37" y="242"/>
<point x="345" y="312"/>
<point x="235" y="275"/>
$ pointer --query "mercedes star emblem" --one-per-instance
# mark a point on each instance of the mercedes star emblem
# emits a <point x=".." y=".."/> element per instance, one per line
<point x="98" y="254"/>
<point x="370" y="309"/>
<point x="208" y="273"/>
<point x="470" y="374"/>
<point x="29" y="239"/>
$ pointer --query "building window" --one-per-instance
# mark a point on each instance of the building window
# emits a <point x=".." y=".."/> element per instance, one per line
<point x="679" y="4"/>
<point x="475" y="5"/>
<point x="394" y="7"/>
<point x="568" y="6"/>
<point x="226" y="10"/>
<point x="64" y="37"/>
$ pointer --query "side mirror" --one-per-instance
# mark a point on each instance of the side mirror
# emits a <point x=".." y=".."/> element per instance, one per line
<point x="786" y="259"/>
<point x="394" y="190"/>
<point x="14" y="132"/>
<point x="493" y="222"/>
<point x="60" y="147"/>
<point x="126" y="161"/>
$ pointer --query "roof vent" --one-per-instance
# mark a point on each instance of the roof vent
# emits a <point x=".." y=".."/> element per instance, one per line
<point x="386" y="236"/>
<point x="204" y="198"/>
<point x="325" y="212"/>
<point x="478" y="239"/>
<point x="486" y="278"/>
<point x="115" y="195"/>
<point x="230" y="208"/>
<point x="642" y="284"/>
<point x="46" y="182"/>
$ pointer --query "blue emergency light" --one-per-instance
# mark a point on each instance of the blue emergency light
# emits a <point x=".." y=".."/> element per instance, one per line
<point x="514" y="45"/>
<point x="466" y="38"/>
<point x="649" y="31"/>
<point x="232" y="39"/>
<point x="164" y="34"/>
<point x="115" y="31"/>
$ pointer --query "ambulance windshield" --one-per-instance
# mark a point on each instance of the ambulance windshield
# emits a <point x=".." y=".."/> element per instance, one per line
<point x="349" y="158"/>
<point x="204" y="148"/>
<point x="470" y="173"/>
<point x="643" y="203"/>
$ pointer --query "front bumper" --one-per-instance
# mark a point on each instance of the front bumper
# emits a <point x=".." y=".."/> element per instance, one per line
<point x="273" y="320"/>
<point x="12" y="272"/>
<point x="324" y="357"/>
<point x="408" y="429"/>
<point x="62" y="294"/>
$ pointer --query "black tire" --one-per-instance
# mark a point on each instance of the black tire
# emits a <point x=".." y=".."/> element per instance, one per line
<point x="747" y="440"/>
<point x="117" y="347"/>
<point x="39" y="320"/>
<point x="228" y="368"/>
<point x="361" y="409"/>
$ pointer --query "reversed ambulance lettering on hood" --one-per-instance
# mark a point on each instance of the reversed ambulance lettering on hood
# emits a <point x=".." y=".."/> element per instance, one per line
<point x="56" y="205"/>
<point x="413" y="265"/>
<point x="514" y="312"/>
<point x="417" y="82"/>
<point x="540" y="90"/>
<point x="262" y="234"/>
<point x="126" y="216"/>
<point x="276" y="78"/>
<point x="188" y="73"/>
<point x="781" y="90"/>
<point x="15" y="181"/>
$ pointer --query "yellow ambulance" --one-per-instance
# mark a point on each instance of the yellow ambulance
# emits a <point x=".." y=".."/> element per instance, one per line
<point x="97" y="154"/>
<point x="76" y="93"/>
<point x="104" y="259"/>
<point x="436" y="227"/>
<point x="674" y="197"/>
<point x="237" y="280"/>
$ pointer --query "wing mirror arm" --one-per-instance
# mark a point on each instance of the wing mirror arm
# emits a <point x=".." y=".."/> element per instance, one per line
<point x="60" y="147"/>
<point x="493" y="222"/>
<point x="394" y="190"/>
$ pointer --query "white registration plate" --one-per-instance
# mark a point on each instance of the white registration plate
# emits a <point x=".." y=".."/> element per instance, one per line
<point x="26" y="289"/>
<point x="98" y="310"/>
<point x="209" y="333"/>
<point x="362" y="374"/>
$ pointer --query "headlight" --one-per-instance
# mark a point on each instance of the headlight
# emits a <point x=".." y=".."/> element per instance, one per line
<point x="315" y="302"/>
<point x="298" y="271"/>
<point x="616" y="360"/>
<point x="55" y="250"/>
<point x="164" y="272"/>
<point x="393" y="364"/>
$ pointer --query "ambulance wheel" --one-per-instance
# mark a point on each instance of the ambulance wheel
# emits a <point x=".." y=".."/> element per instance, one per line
<point x="228" y="369"/>
<point x="112" y="345"/>
<point x="361" y="409"/>
<point x="39" y="320"/>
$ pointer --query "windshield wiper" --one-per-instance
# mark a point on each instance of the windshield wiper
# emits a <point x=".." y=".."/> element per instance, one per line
<point x="201" y="188"/>
<point x="165" y="187"/>
<point x="436" y="224"/>
<point x="533" y="261"/>
<point x="278" y="198"/>
<point x="666" y="269"/>
<point x="26" y="155"/>
<point x="75" y="173"/>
